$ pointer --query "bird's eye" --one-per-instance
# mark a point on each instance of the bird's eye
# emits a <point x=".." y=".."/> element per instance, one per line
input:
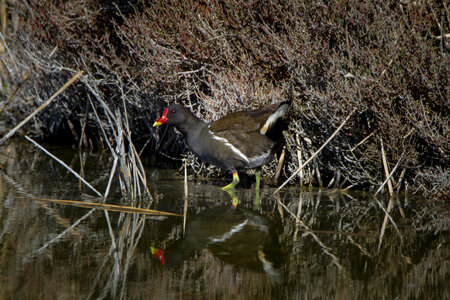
<point x="173" y="111"/>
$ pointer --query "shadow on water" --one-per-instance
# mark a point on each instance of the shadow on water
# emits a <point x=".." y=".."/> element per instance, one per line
<point x="247" y="252"/>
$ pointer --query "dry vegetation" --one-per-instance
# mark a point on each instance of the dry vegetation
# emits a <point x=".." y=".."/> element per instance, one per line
<point x="388" y="59"/>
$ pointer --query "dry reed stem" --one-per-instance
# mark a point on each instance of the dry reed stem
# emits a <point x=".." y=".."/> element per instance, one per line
<point x="131" y="167"/>
<point x="400" y="179"/>
<point x="363" y="141"/>
<point x="83" y="137"/>
<point x="300" y="159"/>
<point x="4" y="16"/>
<point x="16" y="89"/>
<point x="388" y="179"/>
<point x="113" y="170"/>
<point x="300" y="164"/>
<point x="319" y="177"/>
<point x="101" y="127"/>
<point x="103" y="206"/>
<point x="386" y="169"/>
<point x="386" y="217"/>
<point x="43" y="105"/>
<point x="64" y="165"/>
<point x="185" y="197"/>
<point x="316" y="153"/>
<point x="280" y="164"/>
<point x="3" y="69"/>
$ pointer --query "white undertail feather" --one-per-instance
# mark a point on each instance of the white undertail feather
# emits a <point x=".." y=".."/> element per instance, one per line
<point x="279" y="113"/>
<point x="233" y="148"/>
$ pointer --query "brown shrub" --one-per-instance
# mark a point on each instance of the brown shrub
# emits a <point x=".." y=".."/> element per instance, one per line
<point x="387" y="59"/>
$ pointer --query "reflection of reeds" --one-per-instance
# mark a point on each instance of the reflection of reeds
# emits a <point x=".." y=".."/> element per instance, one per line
<point x="111" y="278"/>
<point x="391" y="194"/>
<point x="59" y="236"/>
<point x="327" y="250"/>
<point x="186" y="193"/>
<point x="106" y="207"/>
<point x="61" y="220"/>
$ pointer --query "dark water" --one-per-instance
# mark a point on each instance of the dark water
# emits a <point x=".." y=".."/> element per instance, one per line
<point x="252" y="251"/>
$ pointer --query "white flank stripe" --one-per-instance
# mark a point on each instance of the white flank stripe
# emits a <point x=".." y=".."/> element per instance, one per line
<point x="233" y="148"/>
<point x="230" y="233"/>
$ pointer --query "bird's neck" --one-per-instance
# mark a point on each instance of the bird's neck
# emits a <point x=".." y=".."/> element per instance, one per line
<point x="192" y="125"/>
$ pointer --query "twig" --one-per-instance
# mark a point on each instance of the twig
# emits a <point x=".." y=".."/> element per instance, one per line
<point x="103" y="206"/>
<point x="319" y="177"/>
<point x="300" y="164"/>
<point x="315" y="153"/>
<point x="400" y="179"/>
<point x="386" y="217"/>
<point x="384" y="71"/>
<point x="25" y="77"/>
<point x="280" y="164"/>
<point x="64" y="165"/>
<point x="389" y="177"/>
<point x="101" y="128"/>
<point x="113" y="171"/>
<point x="386" y="169"/>
<point x="83" y="128"/>
<point x="332" y="180"/>
<point x="362" y="142"/>
<point x="43" y="105"/>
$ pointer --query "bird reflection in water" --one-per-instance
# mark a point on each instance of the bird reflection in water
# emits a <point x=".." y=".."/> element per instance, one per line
<point x="233" y="234"/>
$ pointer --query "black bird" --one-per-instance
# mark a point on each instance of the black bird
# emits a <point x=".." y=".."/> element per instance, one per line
<point x="239" y="140"/>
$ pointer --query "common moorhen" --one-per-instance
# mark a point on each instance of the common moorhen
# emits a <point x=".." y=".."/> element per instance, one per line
<point x="238" y="140"/>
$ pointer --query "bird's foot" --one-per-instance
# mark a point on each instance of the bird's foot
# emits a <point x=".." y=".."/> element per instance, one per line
<point x="233" y="183"/>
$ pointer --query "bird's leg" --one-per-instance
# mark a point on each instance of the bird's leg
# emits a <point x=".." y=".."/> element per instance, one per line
<point x="233" y="183"/>
<point x="258" y="180"/>
<point x="233" y="196"/>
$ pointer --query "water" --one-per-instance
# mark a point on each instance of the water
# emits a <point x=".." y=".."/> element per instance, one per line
<point x="253" y="251"/>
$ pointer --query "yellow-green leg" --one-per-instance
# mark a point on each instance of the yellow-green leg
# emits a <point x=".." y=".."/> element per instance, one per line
<point x="258" y="180"/>
<point x="229" y="189"/>
<point x="233" y="196"/>
<point x="233" y="183"/>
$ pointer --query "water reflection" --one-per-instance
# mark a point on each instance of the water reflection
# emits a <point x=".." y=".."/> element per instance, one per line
<point x="235" y="235"/>
<point x="249" y="252"/>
